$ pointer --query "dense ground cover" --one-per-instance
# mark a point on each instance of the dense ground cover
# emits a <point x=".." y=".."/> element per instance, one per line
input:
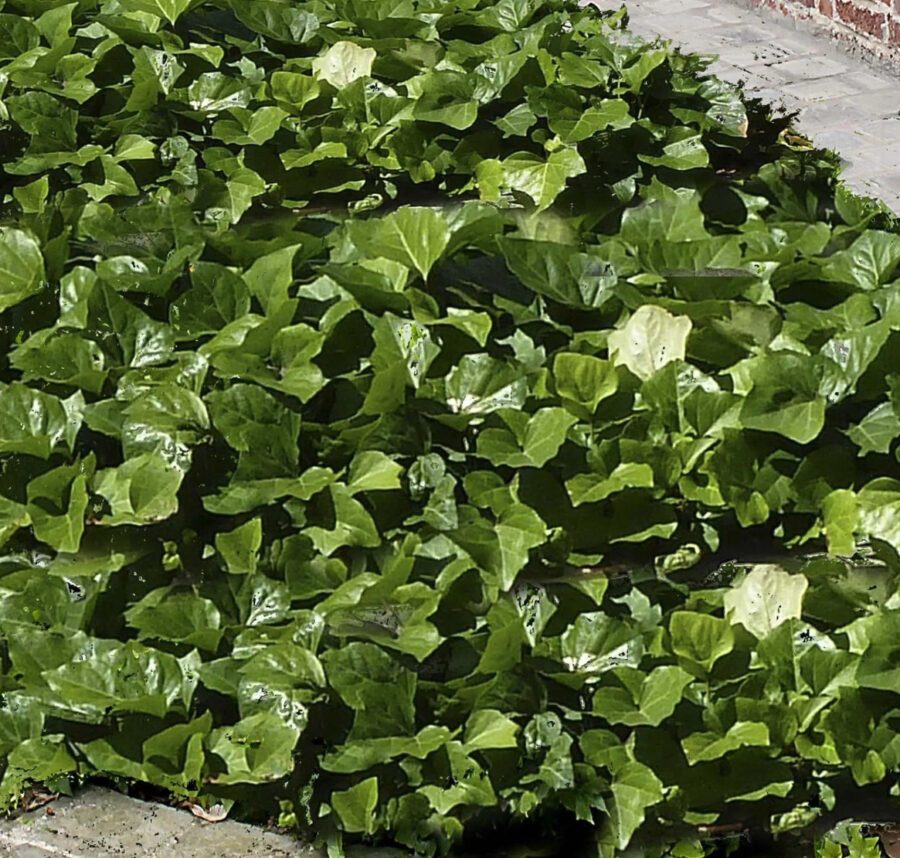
<point x="383" y="383"/>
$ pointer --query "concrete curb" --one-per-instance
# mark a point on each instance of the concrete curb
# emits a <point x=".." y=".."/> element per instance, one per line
<point x="102" y="823"/>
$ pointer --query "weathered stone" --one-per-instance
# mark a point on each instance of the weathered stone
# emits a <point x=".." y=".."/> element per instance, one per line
<point x="101" y="823"/>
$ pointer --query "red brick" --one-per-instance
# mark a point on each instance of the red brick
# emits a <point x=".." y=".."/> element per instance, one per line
<point x="894" y="33"/>
<point x="863" y="19"/>
<point x="826" y="8"/>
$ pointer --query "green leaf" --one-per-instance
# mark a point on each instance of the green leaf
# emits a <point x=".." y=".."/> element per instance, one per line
<point x="841" y="514"/>
<point x="480" y="384"/>
<point x="560" y="272"/>
<point x="609" y="113"/>
<point x="634" y="789"/>
<point x="877" y="430"/>
<point x="46" y="119"/>
<point x="179" y="617"/>
<point x="404" y="351"/>
<point x="21" y="720"/>
<point x="282" y="666"/>
<point x="171" y="10"/>
<point x="356" y="806"/>
<point x="592" y="488"/>
<point x="502" y="548"/>
<point x="644" y="698"/>
<point x="18" y="35"/>
<point x="276" y="20"/>
<point x="343" y="63"/>
<point x="255" y="750"/>
<point x="444" y="97"/>
<point x="239" y="191"/>
<point x="416" y="237"/>
<point x="249" y="128"/>
<point x="636" y="72"/>
<point x="117" y="181"/>
<point x="353" y="525"/>
<point x="699" y="747"/>
<point x="57" y="501"/>
<point x="700" y="638"/>
<point x="875" y="638"/>
<point x="489" y="728"/>
<point x="583" y="379"/>
<point x="517" y="122"/>
<point x="357" y="352"/>
<point x="178" y="749"/>
<point x="529" y="441"/>
<point x="244" y="496"/>
<point x="290" y="88"/>
<point x="372" y="470"/>
<point x="848" y="358"/>
<point x="879" y="510"/>
<point x="470" y="785"/>
<point x="36" y="760"/>
<point x="239" y="547"/>
<point x="270" y="278"/>
<point x="595" y="643"/>
<point x="134" y="147"/>
<point x="684" y="151"/>
<point x="296" y="159"/>
<point x="362" y="673"/>
<point x="666" y="214"/>
<point x="61" y="358"/>
<point x="782" y="396"/>
<point x="140" y="490"/>
<point x="259" y="428"/>
<point x="21" y="267"/>
<point x="603" y="748"/>
<point x="33" y="196"/>
<point x="542" y="180"/>
<point x="216" y="298"/>
<point x="765" y="598"/>
<point x="32" y="422"/>
<point x="366" y="753"/>
<point x="867" y="263"/>
<point x="556" y="770"/>
<point x="126" y="678"/>
<point x="128" y="334"/>
<point x="13" y="517"/>
<point x="650" y="339"/>
<point x="213" y="92"/>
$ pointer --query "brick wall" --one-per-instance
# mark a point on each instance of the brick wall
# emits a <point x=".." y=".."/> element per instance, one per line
<point x="870" y="26"/>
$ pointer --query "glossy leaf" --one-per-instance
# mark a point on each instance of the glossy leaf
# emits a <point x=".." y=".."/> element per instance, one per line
<point x="765" y="598"/>
<point x="651" y="338"/>
<point x="21" y="267"/>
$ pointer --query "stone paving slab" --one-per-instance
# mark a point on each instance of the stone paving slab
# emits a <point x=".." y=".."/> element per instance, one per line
<point x="102" y="823"/>
<point x="844" y="102"/>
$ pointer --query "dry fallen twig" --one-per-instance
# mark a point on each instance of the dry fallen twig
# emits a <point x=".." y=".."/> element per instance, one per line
<point x="36" y="797"/>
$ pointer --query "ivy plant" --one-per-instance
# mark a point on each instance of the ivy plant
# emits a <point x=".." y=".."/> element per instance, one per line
<point x="383" y="385"/>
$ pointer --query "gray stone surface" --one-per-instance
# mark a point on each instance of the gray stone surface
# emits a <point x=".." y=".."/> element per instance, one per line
<point x="845" y="103"/>
<point x="101" y="823"/>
